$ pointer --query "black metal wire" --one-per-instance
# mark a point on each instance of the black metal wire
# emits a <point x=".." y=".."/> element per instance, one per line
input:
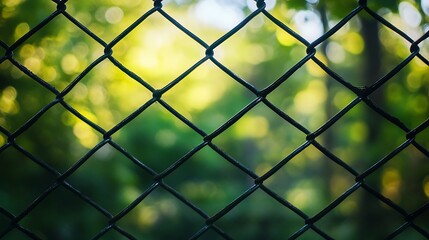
<point x="260" y="97"/>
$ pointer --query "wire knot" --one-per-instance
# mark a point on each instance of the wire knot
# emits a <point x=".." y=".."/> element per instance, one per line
<point x="411" y="134"/>
<point x="259" y="181"/>
<point x="11" y="139"/>
<point x="209" y="52"/>
<point x="108" y="51"/>
<point x="107" y="136"/>
<point x="208" y="138"/>
<point x="261" y="3"/>
<point x="414" y="48"/>
<point x="360" y="179"/>
<point x="61" y="6"/>
<point x="8" y="54"/>
<point x="157" y="94"/>
<point x="309" y="221"/>
<point x="362" y="3"/>
<point x="310" y="137"/>
<point x="310" y="50"/>
<point x="263" y="93"/>
<point x="157" y="3"/>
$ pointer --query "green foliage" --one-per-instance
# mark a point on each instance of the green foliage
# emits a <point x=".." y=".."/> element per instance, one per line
<point x="125" y="168"/>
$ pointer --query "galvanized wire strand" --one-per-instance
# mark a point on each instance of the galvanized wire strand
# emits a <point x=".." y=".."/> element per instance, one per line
<point x="362" y="96"/>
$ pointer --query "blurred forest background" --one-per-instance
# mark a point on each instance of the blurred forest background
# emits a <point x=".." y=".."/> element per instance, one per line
<point x="157" y="52"/>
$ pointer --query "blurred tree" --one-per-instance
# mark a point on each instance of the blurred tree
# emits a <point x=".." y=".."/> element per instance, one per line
<point x="157" y="53"/>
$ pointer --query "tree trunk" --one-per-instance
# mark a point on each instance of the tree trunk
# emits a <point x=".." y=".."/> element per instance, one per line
<point x="372" y="63"/>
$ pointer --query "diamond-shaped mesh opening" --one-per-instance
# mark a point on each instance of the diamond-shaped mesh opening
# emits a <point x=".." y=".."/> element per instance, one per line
<point x="264" y="221"/>
<point x="203" y="187"/>
<point x="394" y="42"/>
<point x="260" y="42"/>
<point x="209" y="20"/>
<point x="341" y="51"/>
<point x="58" y="57"/>
<point x="410" y="19"/>
<point x="119" y="120"/>
<point x="397" y="46"/>
<point x="153" y="46"/>
<point x="17" y="169"/>
<point x="340" y="216"/>
<point x="194" y="97"/>
<point x="59" y="217"/>
<point x="405" y="95"/>
<point x="61" y="154"/>
<point x="17" y="89"/>
<point x="311" y="102"/>
<point x="32" y="14"/>
<point x="402" y="178"/>
<point x="343" y="47"/>
<point x="107" y="19"/>
<point x="339" y="222"/>
<point x="123" y="181"/>
<point x="358" y="133"/>
<point x="339" y="12"/>
<point x="251" y="139"/>
<point x="158" y="210"/>
<point x="161" y="145"/>
<point x="310" y="180"/>
<point x="107" y="95"/>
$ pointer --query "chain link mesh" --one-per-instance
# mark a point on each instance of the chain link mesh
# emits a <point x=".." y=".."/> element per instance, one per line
<point x="362" y="95"/>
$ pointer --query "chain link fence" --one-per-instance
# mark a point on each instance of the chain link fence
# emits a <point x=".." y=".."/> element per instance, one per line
<point x="210" y="227"/>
